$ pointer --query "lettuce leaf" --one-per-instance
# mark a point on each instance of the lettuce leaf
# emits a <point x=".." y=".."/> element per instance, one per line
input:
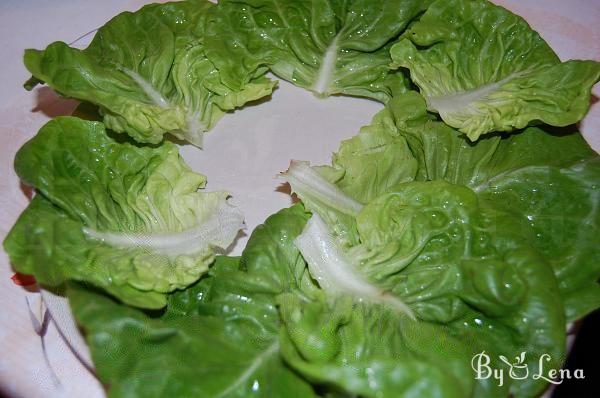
<point x="452" y="260"/>
<point x="217" y="338"/>
<point x="326" y="46"/>
<point x="124" y="218"/>
<point x="483" y="69"/>
<point x="149" y="73"/>
<point x="334" y="271"/>
<point x="547" y="178"/>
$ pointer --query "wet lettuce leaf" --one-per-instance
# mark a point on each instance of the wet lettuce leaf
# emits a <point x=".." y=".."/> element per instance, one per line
<point x="326" y="46"/>
<point x="149" y="73"/>
<point x="483" y="69"/>
<point x="434" y="248"/>
<point x="217" y="338"/>
<point x="547" y="178"/>
<point x="128" y="219"/>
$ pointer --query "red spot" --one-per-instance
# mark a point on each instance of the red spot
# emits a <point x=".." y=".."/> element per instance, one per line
<point x="23" y="280"/>
<point x="27" y="190"/>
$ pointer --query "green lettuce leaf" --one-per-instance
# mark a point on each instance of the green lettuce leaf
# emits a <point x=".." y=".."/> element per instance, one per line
<point x="217" y="338"/>
<point x="149" y="73"/>
<point x="565" y="220"/>
<point x="335" y="273"/>
<point x="364" y="167"/>
<point x="125" y="218"/>
<point x="327" y="46"/>
<point x="546" y="178"/>
<point x="483" y="69"/>
<point x="460" y="262"/>
<point x="452" y="260"/>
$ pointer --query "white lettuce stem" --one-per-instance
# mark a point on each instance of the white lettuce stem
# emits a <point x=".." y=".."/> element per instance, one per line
<point x="150" y="91"/>
<point x="325" y="75"/>
<point x="464" y="101"/>
<point x="334" y="272"/>
<point x="309" y="185"/>
<point x="217" y="231"/>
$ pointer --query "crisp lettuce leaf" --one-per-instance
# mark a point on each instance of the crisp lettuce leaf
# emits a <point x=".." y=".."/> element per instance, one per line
<point x="149" y="73"/>
<point x="547" y="178"/>
<point x="217" y="338"/>
<point x="364" y="167"/>
<point x="560" y="205"/>
<point x="326" y="46"/>
<point x="125" y="218"/>
<point x="460" y="262"/>
<point x="483" y="69"/>
<point x="452" y="260"/>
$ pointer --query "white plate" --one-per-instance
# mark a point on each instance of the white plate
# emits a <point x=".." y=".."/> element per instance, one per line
<point x="243" y="154"/>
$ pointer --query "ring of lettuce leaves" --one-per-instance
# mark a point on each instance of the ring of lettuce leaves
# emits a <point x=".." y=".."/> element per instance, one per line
<point x="320" y="333"/>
